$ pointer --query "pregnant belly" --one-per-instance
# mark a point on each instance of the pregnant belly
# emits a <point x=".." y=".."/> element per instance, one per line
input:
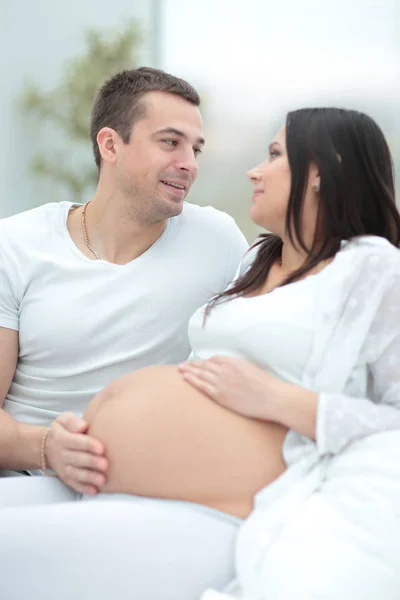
<point x="165" y="439"/>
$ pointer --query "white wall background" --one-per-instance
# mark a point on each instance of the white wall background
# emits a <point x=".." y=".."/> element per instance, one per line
<point x="36" y="38"/>
<point x="251" y="60"/>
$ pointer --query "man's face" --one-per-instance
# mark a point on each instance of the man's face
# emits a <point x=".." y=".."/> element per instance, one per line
<point x="158" y="166"/>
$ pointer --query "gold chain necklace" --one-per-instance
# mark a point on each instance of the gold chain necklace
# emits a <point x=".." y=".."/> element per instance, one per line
<point x="85" y="233"/>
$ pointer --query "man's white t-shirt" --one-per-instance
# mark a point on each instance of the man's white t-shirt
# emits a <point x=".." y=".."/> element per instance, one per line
<point x="83" y="322"/>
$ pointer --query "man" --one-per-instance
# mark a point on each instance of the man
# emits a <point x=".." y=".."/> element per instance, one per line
<point x="90" y="293"/>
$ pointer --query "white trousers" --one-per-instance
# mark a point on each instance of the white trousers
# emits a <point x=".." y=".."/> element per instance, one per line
<point x="340" y="541"/>
<point x="113" y="546"/>
<point x="23" y="491"/>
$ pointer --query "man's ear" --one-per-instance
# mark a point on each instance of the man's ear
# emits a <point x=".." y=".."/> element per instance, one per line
<point x="106" y="140"/>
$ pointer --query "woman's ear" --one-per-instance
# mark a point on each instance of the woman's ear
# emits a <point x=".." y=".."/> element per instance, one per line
<point x="315" y="179"/>
<point x="316" y="184"/>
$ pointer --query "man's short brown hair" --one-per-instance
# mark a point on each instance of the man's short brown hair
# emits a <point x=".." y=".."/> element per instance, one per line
<point x="117" y="104"/>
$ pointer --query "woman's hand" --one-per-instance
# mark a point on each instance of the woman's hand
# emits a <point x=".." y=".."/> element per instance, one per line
<point x="234" y="383"/>
<point x="244" y="388"/>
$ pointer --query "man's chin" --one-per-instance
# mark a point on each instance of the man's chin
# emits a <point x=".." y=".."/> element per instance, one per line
<point x="174" y="207"/>
<point x="177" y="210"/>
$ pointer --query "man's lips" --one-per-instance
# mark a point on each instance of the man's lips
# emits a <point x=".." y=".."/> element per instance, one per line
<point x="177" y="188"/>
<point x="179" y="185"/>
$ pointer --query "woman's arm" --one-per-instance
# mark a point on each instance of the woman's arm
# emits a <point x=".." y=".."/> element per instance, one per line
<point x="243" y="387"/>
<point x="341" y="418"/>
<point x="332" y="420"/>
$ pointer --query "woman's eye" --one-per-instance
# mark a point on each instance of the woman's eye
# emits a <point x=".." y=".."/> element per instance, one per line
<point x="273" y="153"/>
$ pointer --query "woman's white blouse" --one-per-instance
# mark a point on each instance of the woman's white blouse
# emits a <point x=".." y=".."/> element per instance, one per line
<point x="336" y="333"/>
<point x="274" y="330"/>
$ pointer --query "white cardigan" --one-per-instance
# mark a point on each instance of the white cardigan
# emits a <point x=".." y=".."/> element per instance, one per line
<point x="357" y="331"/>
<point x="356" y="340"/>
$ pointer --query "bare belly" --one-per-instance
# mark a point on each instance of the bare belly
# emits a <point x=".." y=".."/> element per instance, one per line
<point x="165" y="439"/>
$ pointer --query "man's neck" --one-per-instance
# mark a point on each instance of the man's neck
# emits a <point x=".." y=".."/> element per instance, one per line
<point x="114" y="230"/>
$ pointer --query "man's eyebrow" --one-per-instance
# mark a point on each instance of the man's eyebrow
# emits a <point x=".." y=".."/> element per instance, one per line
<point x="179" y="133"/>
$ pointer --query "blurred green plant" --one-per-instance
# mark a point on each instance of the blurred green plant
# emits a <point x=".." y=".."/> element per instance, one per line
<point x="67" y="107"/>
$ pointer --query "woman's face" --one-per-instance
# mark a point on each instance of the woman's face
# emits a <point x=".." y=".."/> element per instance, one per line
<point x="272" y="180"/>
<point x="272" y="183"/>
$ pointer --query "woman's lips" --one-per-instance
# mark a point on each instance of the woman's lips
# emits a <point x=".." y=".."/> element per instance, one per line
<point x="257" y="192"/>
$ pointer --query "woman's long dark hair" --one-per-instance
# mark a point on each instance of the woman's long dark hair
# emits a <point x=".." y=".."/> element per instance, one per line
<point x="356" y="191"/>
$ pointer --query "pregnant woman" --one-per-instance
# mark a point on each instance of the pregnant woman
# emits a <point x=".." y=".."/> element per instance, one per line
<point x="289" y="414"/>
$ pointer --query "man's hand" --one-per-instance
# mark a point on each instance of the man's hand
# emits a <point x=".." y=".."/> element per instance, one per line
<point x="77" y="458"/>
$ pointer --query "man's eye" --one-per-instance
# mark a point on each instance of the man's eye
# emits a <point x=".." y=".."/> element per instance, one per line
<point x="172" y="143"/>
<point x="197" y="151"/>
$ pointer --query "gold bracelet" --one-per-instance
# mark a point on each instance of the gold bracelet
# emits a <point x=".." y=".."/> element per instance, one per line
<point x="42" y="454"/>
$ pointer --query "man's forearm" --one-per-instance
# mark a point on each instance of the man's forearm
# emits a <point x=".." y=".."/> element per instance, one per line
<point x="19" y="444"/>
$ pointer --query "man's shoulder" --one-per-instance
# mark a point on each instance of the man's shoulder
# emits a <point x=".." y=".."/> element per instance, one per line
<point x="208" y="220"/>
<point x="195" y="212"/>
<point x="210" y="239"/>
<point x="31" y="224"/>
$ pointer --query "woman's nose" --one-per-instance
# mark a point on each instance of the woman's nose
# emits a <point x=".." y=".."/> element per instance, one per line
<point x="254" y="174"/>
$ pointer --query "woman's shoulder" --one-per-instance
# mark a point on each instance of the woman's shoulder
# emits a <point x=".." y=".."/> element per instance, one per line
<point x="374" y="255"/>
<point x="365" y="257"/>
<point x="365" y="270"/>
<point x="368" y="243"/>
